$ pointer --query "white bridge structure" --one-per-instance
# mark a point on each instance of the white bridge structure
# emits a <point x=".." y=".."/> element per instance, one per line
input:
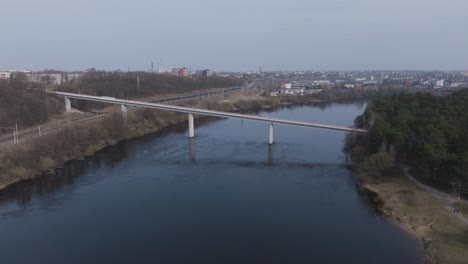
<point x="204" y="112"/>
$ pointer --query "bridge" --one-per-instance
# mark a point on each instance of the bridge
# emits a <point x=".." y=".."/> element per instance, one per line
<point x="204" y="112"/>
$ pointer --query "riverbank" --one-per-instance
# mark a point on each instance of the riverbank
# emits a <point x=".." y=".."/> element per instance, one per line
<point x="443" y="234"/>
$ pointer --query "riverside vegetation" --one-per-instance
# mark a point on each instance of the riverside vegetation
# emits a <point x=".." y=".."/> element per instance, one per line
<point x="430" y="134"/>
<point x="25" y="108"/>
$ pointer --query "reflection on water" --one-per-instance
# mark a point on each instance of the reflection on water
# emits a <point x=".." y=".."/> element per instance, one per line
<point x="24" y="191"/>
<point x="192" y="149"/>
<point x="270" y="154"/>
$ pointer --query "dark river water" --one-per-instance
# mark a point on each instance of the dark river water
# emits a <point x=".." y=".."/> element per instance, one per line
<point x="226" y="197"/>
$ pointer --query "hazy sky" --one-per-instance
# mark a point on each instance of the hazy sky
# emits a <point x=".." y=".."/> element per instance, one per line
<point x="235" y="35"/>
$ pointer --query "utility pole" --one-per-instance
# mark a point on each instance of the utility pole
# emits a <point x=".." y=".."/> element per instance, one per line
<point x="138" y="82"/>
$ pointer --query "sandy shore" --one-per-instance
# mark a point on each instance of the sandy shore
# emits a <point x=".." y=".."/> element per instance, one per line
<point x="444" y="235"/>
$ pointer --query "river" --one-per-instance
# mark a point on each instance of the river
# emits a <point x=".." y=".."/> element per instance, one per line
<point x="225" y="197"/>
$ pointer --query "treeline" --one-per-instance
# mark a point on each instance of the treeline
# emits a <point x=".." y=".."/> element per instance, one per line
<point x="25" y="107"/>
<point x="428" y="132"/>
<point x="134" y="84"/>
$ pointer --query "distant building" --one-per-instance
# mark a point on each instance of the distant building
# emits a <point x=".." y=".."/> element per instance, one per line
<point x="424" y="85"/>
<point x="287" y="85"/>
<point x="5" y="75"/>
<point x="207" y="73"/>
<point x="466" y="73"/>
<point x="183" y="72"/>
<point x="53" y="78"/>
<point x="204" y="73"/>
<point x="440" y="83"/>
<point x="324" y="83"/>
<point x="457" y="85"/>
<point x="175" y="71"/>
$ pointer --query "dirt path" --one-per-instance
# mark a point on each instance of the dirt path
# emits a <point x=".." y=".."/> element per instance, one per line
<point x="446" y="199"/>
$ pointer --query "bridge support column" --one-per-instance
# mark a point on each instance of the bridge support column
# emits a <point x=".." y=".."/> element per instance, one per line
<point x="191" y="126"/>
<point x="270" y="133"/>
<point x="67" y="105"/>
<point x="124" y="112"/>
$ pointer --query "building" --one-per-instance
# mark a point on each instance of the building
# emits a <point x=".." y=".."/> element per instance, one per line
<point x="440" y="83"/>
<point x="175" y="71"/>
<point x="466" y="73"/>
<point x="53" y="78"/>
<point x="181" y="72"/>
<point x="5" y="75"/>
<point x="424" y="85"/>
<point x="458" y="85"/>
<point x="204" y="73"/>
<point x="323" y="83"/>
<point x="207" y="73"/>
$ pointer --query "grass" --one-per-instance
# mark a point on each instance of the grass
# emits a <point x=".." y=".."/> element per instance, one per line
<point x="462" y="207"/>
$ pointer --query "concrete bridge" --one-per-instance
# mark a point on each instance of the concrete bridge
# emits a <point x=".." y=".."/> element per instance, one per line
<point x="191" y="111"/>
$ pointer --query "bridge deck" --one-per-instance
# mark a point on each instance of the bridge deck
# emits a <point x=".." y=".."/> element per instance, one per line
<point x="181" y="109"/>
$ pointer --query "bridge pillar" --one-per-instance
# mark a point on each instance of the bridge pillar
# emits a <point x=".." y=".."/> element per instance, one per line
<point x="270" y="134"/>
<point x="124" y="112"/>
<point x="191" y="126"/>
<point x="67" y="105"/>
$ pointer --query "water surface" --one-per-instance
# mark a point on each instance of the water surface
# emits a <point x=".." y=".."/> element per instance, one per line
<point x="226" y="197"/>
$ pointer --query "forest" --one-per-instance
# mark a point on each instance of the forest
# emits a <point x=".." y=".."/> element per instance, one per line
<point x="428" y="132"/>
<point x="141" y="84"/>
<point x="25" y="107"/>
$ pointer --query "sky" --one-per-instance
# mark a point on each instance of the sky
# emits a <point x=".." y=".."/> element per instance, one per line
<point x="240" y="35"/>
